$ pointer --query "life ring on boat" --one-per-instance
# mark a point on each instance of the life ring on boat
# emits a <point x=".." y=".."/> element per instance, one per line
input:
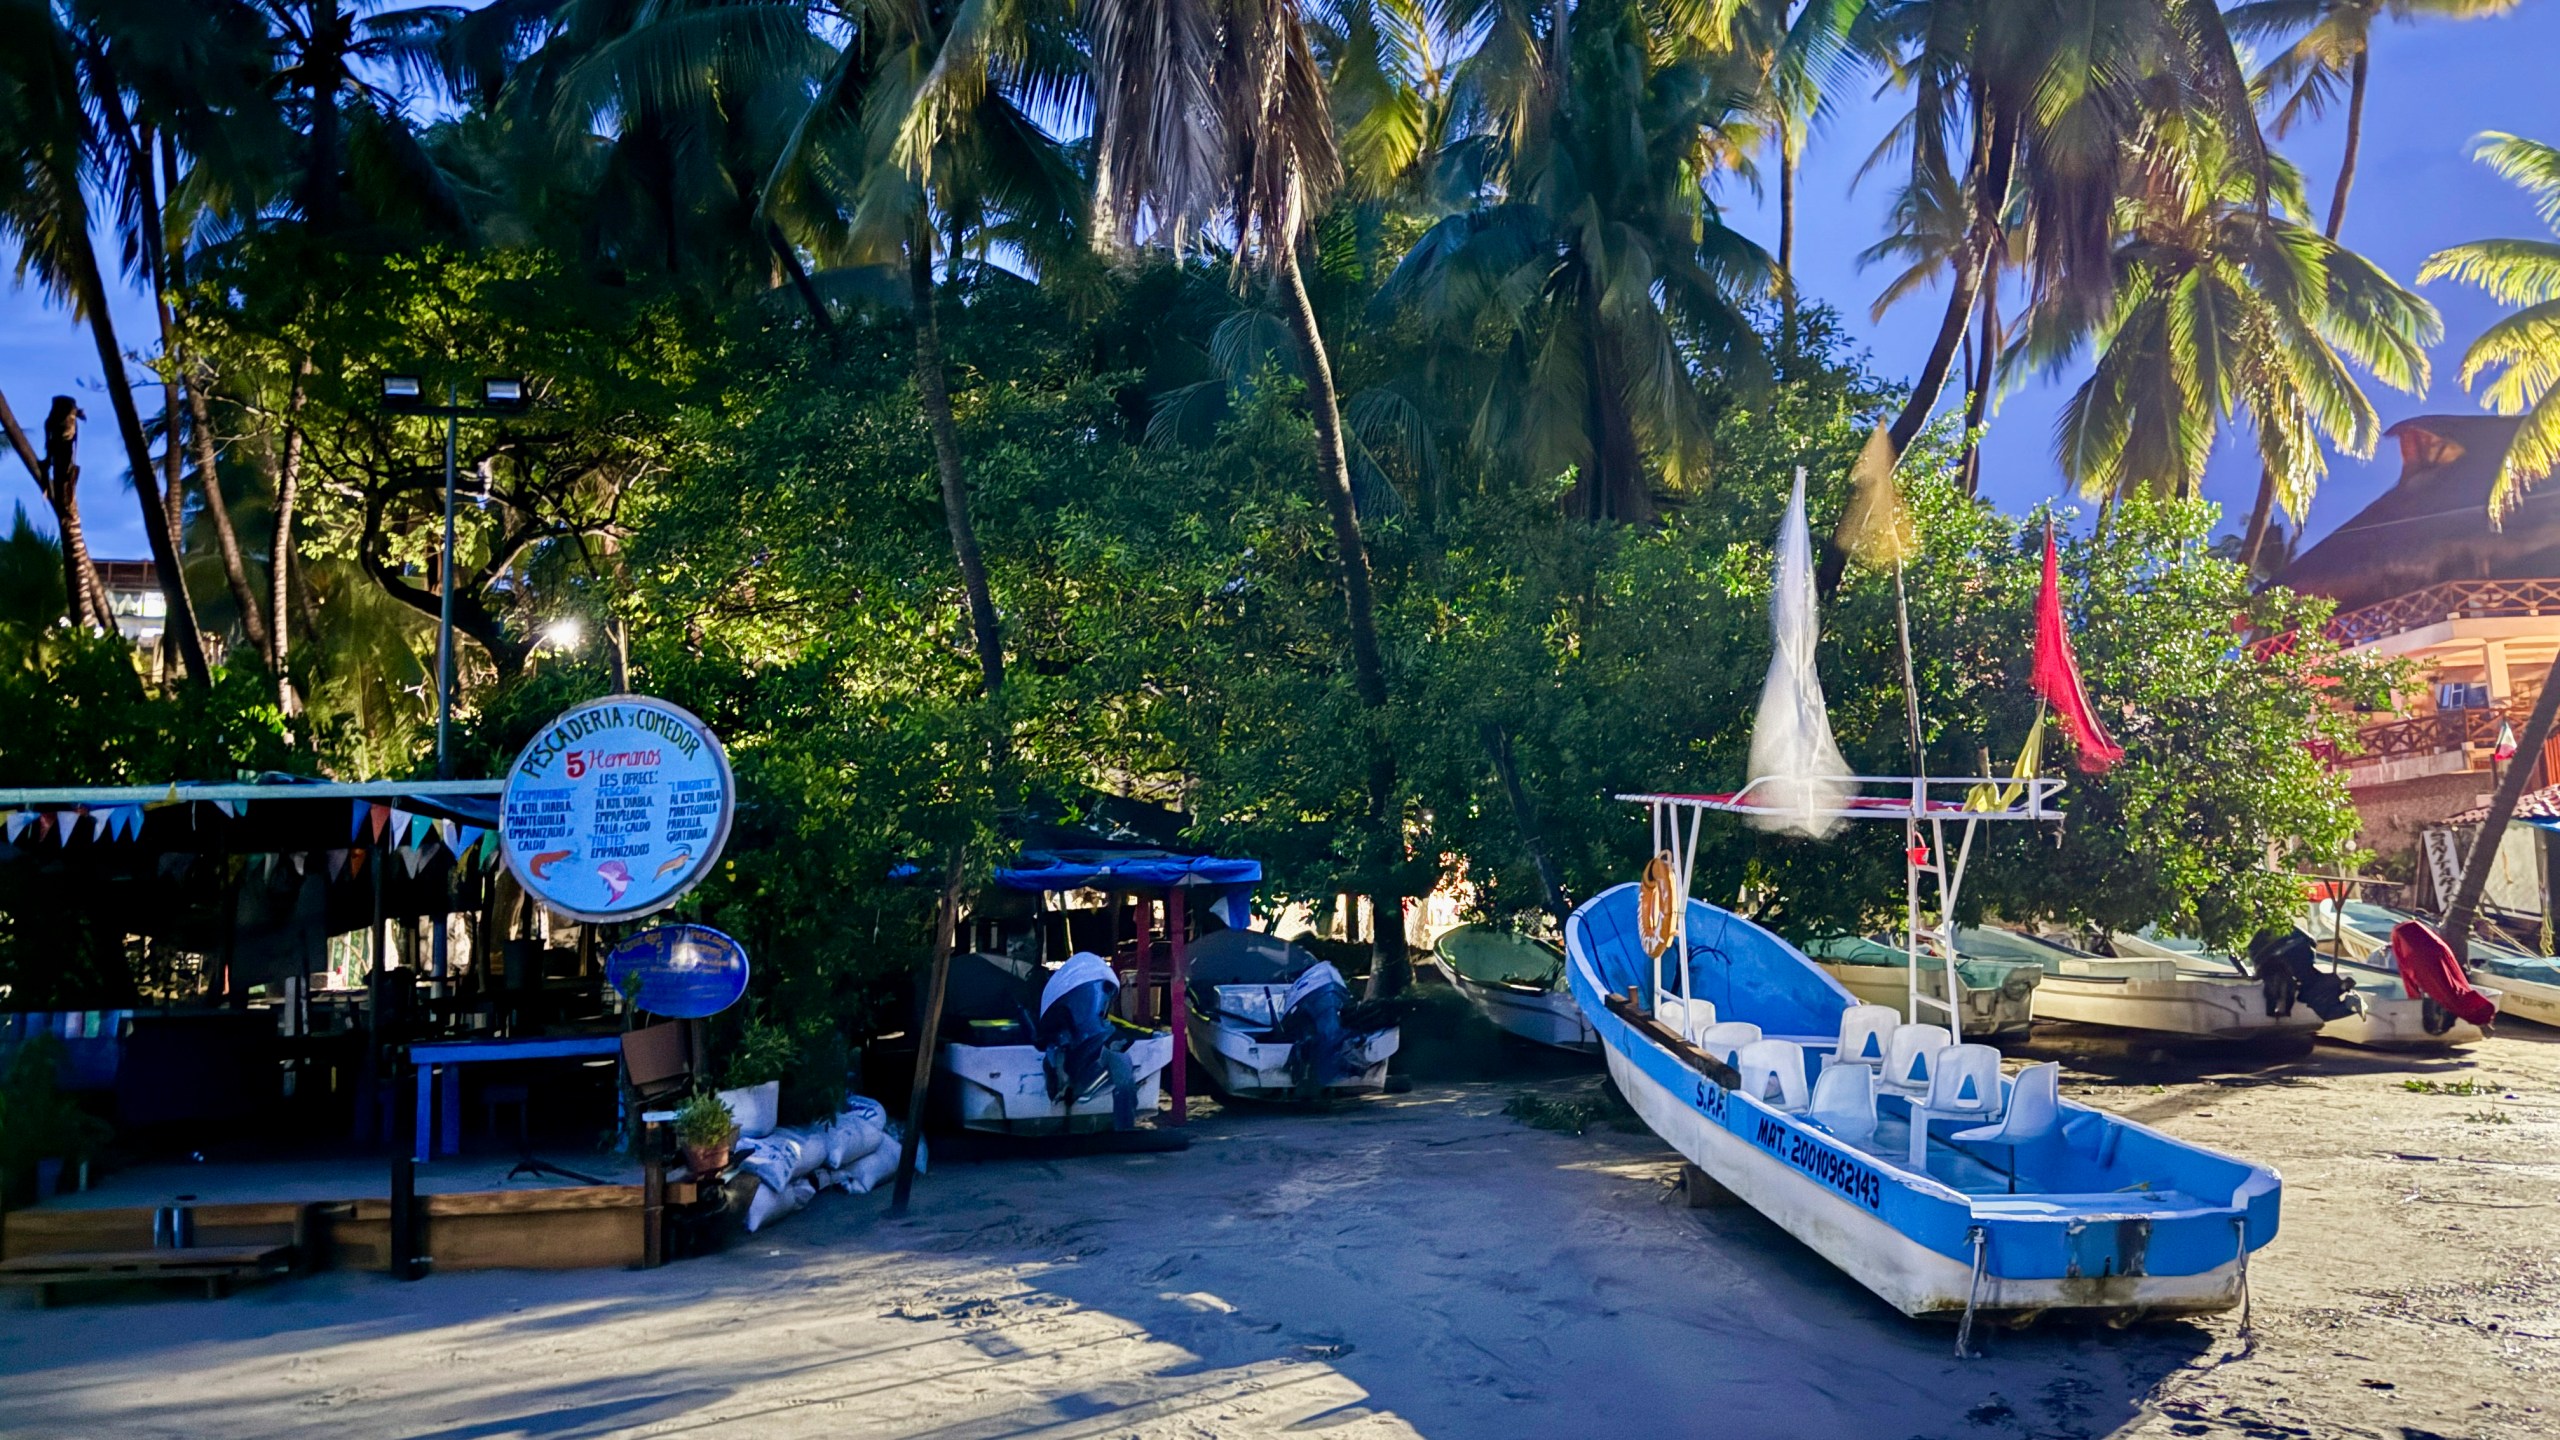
<point x="1657" y="903"/>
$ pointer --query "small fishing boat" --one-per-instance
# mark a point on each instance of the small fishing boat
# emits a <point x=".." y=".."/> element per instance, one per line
<point x="1997" y="997"/>
<point x="1517" y="983"/>
<point x="2018" y="1204"/>
<point x="1030" y="1051"/>
<point x="1268" y="1021"/>
<point x="2356" y="937"/>
<point x="1893" y="1149"/>
<point x="2191" y="996"/>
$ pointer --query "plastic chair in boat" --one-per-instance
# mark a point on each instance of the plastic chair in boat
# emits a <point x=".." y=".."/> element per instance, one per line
<point x="2035" y="1111"/>
<point x="1773" y="1074"/>
<point x="1911" y="1057"/>
<point x="1866" y="1035"/>
<point x="1964" y="1084"/>
<point x="1844" y="1102"/>
<point x="1725" y="1039"/>
<point x="1688" y="1018"/>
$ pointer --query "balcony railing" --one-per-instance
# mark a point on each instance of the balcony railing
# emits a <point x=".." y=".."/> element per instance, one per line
<point x="2434" y="734"/>
<point x="2452" y="600"/>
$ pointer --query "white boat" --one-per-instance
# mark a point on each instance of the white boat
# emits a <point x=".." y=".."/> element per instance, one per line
<point x="1996" y="997"/>
<point x="2356" y="939"/>
<point x="991" y="1074"/>
<point x="1999" y="1216"/>
<point x="2164" y="993"/>
<point x="1265" y="1021"/>
<point x="1517" y="983"/>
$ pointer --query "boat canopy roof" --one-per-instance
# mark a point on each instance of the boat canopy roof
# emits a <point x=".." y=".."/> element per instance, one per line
<point x="1245" y="957"/>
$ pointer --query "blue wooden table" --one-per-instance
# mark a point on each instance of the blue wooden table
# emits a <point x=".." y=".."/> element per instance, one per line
<point x="449" y="1056"/>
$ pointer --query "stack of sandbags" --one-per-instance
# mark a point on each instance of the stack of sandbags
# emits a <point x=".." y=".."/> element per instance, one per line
<point x="854" y="1152"/>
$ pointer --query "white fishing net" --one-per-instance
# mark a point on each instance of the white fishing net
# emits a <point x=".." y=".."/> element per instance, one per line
<point x="1795" y="763"/>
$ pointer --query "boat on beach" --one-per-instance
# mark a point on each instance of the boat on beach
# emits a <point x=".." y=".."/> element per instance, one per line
<point x="2018" y="1204"/>
<point x="1266" y="1020"/>
<point x="2356" y="937"/>
<point x="2194" y="996"/>
<point x="1003" y="1019"/>
<point x="1997" y="997"/>
<point x="1518" y="983"/>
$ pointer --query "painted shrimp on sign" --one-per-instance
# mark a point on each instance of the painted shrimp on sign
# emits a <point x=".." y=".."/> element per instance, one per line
<point x="617" y="808"/>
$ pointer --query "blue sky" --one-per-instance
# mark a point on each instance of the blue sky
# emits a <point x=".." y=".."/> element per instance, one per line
<point x="2434" y="86"/>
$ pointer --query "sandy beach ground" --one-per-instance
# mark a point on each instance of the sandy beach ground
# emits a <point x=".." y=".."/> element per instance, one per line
<point x="1420" y="1265"/>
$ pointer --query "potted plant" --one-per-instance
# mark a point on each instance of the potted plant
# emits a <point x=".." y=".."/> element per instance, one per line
<point x="704" y="1132"/>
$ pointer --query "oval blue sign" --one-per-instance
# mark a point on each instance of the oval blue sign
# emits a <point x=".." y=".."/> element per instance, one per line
<point x="683" y="972"/>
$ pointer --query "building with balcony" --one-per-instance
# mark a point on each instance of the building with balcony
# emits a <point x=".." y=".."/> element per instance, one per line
<point x="2422" y="575"/>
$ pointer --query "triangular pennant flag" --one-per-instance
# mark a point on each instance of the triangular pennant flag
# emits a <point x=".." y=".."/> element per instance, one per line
<point x="337" y="863"/>
<point x="381" y="816"/>
<point x="413" y="857"/>
<point x="301" y="862"/>
<point x="19" y="820"/>
<point x="357" y="812"/>
<point x="419" y="825"/>
<point x="2057" y="672"/>
<point x="489" y="849"/>
<point x="444" y="831"/>
<point x="355" y="861"/>
<point x="66" y="825"/>
<point x="469" y="839"/>
<point x="132" y="822"/>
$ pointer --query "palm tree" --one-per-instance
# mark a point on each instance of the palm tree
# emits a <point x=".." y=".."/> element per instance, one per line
<point x="1930" y="239"/>
<point x="1213" y="113"/>
<point x="2331" y="43"/>
<point x="56" y="472"/>
<point x="2032" y="106"/>
<point x="2523" y="353"/>
<point x="2225" y="311"/>
<point x="1602" y="265"/>
<point x="58" y="92"/>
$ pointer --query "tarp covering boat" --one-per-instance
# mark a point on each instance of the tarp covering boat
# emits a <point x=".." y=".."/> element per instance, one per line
<point x="1272" y="1021"/>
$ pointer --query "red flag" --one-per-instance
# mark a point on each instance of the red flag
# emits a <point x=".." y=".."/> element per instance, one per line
<point x="2057" y="673"/>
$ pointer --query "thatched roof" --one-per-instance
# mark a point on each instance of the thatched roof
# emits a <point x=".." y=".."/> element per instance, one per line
<point x="2433" y="525"/>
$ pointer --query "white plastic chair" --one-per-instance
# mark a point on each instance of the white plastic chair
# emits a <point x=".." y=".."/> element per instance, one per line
<point x="2035" y="1111"/>
<point x="1844" y="1102"/>
<point x="1866" y="1035"/>
<point x="1773" y="1074"/>
<point x="1910" y="1057"/>
<point x="1689" y="1018"/>
<point x="1964" y="1084"/>
<point x="1725" y="1039"/>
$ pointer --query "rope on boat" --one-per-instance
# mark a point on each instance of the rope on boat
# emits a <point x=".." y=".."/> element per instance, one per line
<point x="1981" y="1239"/>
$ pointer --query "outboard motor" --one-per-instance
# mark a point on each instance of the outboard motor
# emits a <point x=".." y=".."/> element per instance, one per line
<point x="1311" y="1021"/>
<point x="2288" y="969"/>
<point x="1075" y="1035"/>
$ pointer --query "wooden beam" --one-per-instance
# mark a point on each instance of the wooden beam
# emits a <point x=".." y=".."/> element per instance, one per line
<point x="945" y="934"/>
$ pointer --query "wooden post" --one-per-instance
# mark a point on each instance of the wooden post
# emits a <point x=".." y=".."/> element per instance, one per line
<point x="945" y="931"/>
<point x="1145" y="909"/>
<point x="1177" y="1006"/>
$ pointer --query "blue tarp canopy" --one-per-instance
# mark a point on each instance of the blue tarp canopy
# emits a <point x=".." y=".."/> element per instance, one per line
<point x="1123" y="870"/>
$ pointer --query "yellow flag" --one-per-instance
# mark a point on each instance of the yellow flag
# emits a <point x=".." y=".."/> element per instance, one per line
<point x="1987" y="797"/>
<point x="1877" y="529"/>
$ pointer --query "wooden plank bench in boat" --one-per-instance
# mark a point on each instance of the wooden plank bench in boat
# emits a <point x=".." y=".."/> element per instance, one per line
<point x="1626" y="1008"/>
<point x="214" y="1266"/>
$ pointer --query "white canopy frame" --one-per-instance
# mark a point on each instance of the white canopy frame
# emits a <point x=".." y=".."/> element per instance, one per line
<point x="1926" y="805"/>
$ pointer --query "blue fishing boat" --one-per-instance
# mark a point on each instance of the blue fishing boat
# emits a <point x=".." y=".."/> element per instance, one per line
<point x="1872" y="1133"/>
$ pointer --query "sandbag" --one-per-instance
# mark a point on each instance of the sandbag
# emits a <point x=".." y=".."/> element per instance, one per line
<point x="881" y="1164"/>
<point x="786" y="1155"/>
<point x="771" y="1204"/>
<point x="754" y="1108"/>
<point x="856" y="1131"/>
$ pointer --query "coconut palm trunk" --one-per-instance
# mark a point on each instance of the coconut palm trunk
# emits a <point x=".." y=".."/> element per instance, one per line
<point x="934" y="391"/>
<point x="2465" y="909"/>
<point x="2355" y="142"/>
<point x="84" y="598"/>
<point x="281" y="554"/>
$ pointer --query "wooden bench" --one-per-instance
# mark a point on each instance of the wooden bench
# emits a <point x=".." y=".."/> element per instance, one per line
<point x="216" y="1266"/>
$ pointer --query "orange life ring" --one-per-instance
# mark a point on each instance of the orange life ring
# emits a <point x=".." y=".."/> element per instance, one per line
<point x="1657" y="906"/>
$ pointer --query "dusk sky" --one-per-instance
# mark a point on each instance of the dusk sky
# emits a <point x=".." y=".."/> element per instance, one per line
<point x="2434" y="87"/>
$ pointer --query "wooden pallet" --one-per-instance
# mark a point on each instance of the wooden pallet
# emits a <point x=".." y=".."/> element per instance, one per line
<point x="214" y="1266"/>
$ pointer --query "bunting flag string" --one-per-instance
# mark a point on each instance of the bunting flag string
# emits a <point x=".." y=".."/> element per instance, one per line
<point x="357" y="813"/>
<point x="465" y="839"/>
<point x="355" y="861"/>
<point x="66" y="826"/>
<point x="337" y="863"/>
<point x="380" y="814"/>
<point x="19" y="821"/>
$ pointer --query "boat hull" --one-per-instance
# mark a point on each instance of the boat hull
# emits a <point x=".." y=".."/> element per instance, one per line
<point x="1904" y="1273"/>
<point x="2393" y="1019"/>
<point x="1251" y="1069"/>
<point x="1989" y="1012"/>
<point x="1003" y="1090"/>
<point x="2189" y="1006"/>
<point x="2533" y="1000"/>
<point x="1545" y="1017"/>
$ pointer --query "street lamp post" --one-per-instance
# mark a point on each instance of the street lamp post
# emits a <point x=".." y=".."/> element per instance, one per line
<point x="407" y="394"/>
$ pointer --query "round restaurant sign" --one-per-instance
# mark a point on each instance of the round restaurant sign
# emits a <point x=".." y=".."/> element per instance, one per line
<point x="684" y="972"/>
<point x="616" y="809"/>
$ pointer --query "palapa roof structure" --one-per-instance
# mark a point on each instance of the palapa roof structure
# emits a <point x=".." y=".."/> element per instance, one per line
<point x="2433" y="526"/>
